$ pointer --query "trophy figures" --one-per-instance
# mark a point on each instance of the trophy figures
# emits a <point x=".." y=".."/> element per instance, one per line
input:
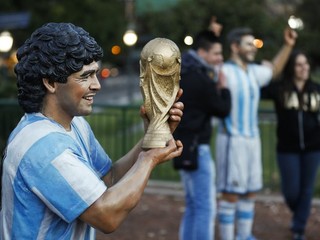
<point x="160" y="66"/>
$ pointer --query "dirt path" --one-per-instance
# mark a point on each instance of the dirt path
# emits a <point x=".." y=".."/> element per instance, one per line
<point x="157" y="217"/>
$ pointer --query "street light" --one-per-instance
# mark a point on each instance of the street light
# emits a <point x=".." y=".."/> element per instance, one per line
<point x="130" y="37"/>
<point x="188" y="40"/>
<point x="6" y="41"/>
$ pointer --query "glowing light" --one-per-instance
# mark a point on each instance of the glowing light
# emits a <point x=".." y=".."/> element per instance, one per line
<point x="105" y="73"/>
<point x="115" y="50"/>
<point x="188" y="40"/>
<point x="130" y="38"/>
<point x="114" y="72"/>
<point x="295" y="23"/>
<point x="6" y="41"/>
<point x="258" y="43"/>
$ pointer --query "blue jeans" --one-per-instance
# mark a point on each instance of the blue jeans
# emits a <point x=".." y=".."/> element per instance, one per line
<point x="298" y="174"/>
<point x="200" y="198"/>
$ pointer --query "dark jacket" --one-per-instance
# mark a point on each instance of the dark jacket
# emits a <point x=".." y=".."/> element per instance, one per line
<point x="298" y="127"/>
<point x="201" y="98"/>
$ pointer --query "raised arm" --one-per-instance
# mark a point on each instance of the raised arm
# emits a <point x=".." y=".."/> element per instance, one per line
<point x="282" y="56"/>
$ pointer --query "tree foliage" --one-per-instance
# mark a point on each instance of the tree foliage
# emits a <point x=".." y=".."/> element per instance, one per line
<point x="190" y="16"/>
<point x="309" y="37"/>
<point x="105" y="20"/>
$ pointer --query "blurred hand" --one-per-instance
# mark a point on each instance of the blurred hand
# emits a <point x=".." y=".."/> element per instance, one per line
<point x="290" y="36"/>
<point x="222" y="80"/>
<point x="215" y="27"/>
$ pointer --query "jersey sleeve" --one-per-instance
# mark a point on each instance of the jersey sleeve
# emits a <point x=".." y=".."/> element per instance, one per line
<point x="262" y="73"/>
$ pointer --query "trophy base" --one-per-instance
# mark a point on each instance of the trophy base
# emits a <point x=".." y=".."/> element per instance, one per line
<point x="156" y="139"/>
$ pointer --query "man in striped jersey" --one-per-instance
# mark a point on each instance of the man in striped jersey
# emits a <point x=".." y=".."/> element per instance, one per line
<point x="238" y="148"/>
<point x="58" y="182"/>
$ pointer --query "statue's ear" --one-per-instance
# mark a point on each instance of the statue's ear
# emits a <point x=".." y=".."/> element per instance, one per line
<point x="50" y="86"/>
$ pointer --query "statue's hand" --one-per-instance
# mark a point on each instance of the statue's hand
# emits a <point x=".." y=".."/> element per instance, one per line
<point x="176" y="112"/>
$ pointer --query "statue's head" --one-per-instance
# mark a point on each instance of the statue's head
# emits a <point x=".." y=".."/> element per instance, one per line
<point x="54" y="51"/>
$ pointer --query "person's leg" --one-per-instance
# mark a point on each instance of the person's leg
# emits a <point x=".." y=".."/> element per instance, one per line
<point x="227" y="202"/>
<point x="309" y="163"/>
<point x="253" y="173"/>
<point x="226" y="215"/>
<point x="245" y="216"/>
<point x="234" y="180"/>
<point x="289" y="169"/>
<point x="188" y="215"/>
<point x="199" y="185"/>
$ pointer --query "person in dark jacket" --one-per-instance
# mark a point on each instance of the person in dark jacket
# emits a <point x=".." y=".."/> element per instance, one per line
<point x="204" y="96"/>
<point x="297" y="101"/>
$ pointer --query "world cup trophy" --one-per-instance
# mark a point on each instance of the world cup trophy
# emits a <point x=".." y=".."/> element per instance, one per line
<point x="160" y="66"/>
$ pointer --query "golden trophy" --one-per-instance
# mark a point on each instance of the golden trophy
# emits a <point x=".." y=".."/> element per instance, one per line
<point x="160" y="65"/>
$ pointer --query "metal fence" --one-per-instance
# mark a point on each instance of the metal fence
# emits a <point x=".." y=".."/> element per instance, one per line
<point x="118" y="128"/>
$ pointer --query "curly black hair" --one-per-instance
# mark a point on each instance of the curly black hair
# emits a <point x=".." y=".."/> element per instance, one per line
<point x="54" y="51"/>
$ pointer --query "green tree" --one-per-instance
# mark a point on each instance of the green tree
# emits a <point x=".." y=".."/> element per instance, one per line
<point x="104" y="19"/>
<point x="308" y="11"/>
<point x="191" y="16"/>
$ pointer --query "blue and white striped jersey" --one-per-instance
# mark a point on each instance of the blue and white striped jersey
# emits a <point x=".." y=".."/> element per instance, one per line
<point x="245" y="95"/>
<point x="50" y="177"/>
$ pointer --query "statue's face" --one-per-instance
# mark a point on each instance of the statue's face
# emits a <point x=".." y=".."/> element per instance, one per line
<point x="75" y="98"/>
